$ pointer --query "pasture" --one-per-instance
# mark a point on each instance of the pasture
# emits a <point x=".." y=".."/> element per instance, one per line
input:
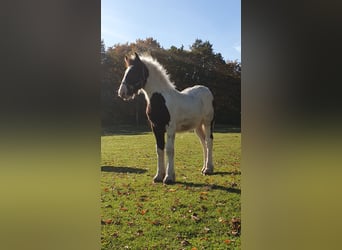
<point x="197" y="212"/>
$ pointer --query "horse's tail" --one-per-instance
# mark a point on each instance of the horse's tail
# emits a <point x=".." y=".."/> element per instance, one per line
<point x="212" y="123"/>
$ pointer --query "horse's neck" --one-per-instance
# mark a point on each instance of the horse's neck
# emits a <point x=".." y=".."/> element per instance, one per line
<point x="158" y="82"/>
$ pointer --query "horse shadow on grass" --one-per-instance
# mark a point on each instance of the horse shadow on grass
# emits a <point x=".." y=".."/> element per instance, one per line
<point x="209" y="186"/>
<point x="134" y="170"/>
<point x="236" y="172"/>
<point x="123" y="170"/>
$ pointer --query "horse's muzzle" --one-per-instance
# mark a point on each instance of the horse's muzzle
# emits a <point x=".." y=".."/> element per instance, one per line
<point x="123" y="93"/>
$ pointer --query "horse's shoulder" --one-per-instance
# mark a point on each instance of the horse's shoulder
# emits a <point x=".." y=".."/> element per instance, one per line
<point x="157" y="111"/>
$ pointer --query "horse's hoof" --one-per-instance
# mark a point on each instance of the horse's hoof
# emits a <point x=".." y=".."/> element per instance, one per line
<point x="168" y="181"/>
<point x="158" y="179"/>
<point x="207" y="171"/>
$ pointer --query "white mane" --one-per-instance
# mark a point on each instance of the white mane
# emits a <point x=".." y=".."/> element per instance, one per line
<point x="158" y="76"/>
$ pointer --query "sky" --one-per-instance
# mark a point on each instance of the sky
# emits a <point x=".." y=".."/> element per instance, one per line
<point x="174" y="22"/>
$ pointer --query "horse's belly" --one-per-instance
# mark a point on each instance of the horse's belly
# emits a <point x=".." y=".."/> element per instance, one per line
<point x="186" y="125"/>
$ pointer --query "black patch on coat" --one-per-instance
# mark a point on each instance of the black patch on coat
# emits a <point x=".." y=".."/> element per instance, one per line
<point x="159" y="117"/>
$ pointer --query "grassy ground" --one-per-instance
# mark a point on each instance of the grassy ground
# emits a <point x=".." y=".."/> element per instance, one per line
<point x="198" y="212"/>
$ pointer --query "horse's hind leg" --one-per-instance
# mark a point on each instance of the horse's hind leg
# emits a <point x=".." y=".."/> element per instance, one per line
<point x="201" y="135"/>
<point x="209" y="166"/>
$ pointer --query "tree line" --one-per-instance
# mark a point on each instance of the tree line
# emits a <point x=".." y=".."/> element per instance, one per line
<point x="198" y="65"/>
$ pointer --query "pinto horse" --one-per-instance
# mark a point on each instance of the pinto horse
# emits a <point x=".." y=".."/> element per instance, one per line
<point x="170" y="111"/>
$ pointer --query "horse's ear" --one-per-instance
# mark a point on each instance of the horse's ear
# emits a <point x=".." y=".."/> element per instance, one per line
<point x="126" y="61"/>
<point x="137" y="57"/>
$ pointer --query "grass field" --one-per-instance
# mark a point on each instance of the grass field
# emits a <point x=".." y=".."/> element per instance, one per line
<point x="197" y="212"/>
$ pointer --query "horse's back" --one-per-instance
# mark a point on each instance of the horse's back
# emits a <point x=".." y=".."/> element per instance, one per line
<point x="199" y="91"/>
<point x="202" y="94"/>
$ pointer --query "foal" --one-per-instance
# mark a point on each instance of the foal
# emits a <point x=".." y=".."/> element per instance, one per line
<point x="170" y="111"/>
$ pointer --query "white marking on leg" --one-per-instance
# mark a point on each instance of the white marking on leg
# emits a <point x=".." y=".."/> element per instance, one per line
<point x="209" y="168"/>
<point x="161" y="166"/>
<point x="170" y="172"/>
<point x="201" y="136"/>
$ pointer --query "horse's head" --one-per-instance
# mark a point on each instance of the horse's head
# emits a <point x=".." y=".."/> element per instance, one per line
<point x="134" y="79"/>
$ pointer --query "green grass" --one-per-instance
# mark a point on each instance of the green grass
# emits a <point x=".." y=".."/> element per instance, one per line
<point x="194" y="213"/>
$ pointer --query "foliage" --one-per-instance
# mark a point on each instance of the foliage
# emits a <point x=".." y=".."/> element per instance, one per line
<point x="199" y="65"/>
<point x="198" y="212"/>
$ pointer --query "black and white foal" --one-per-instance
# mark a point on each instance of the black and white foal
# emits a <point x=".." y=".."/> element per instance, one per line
<point x="170" y="111"/>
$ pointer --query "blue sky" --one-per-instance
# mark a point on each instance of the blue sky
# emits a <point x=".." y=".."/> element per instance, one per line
<point x="174" y="22"/>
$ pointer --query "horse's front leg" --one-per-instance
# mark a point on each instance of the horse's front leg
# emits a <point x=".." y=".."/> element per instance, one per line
<point x="170" y="172"/>
<point x="159" y="134"/>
